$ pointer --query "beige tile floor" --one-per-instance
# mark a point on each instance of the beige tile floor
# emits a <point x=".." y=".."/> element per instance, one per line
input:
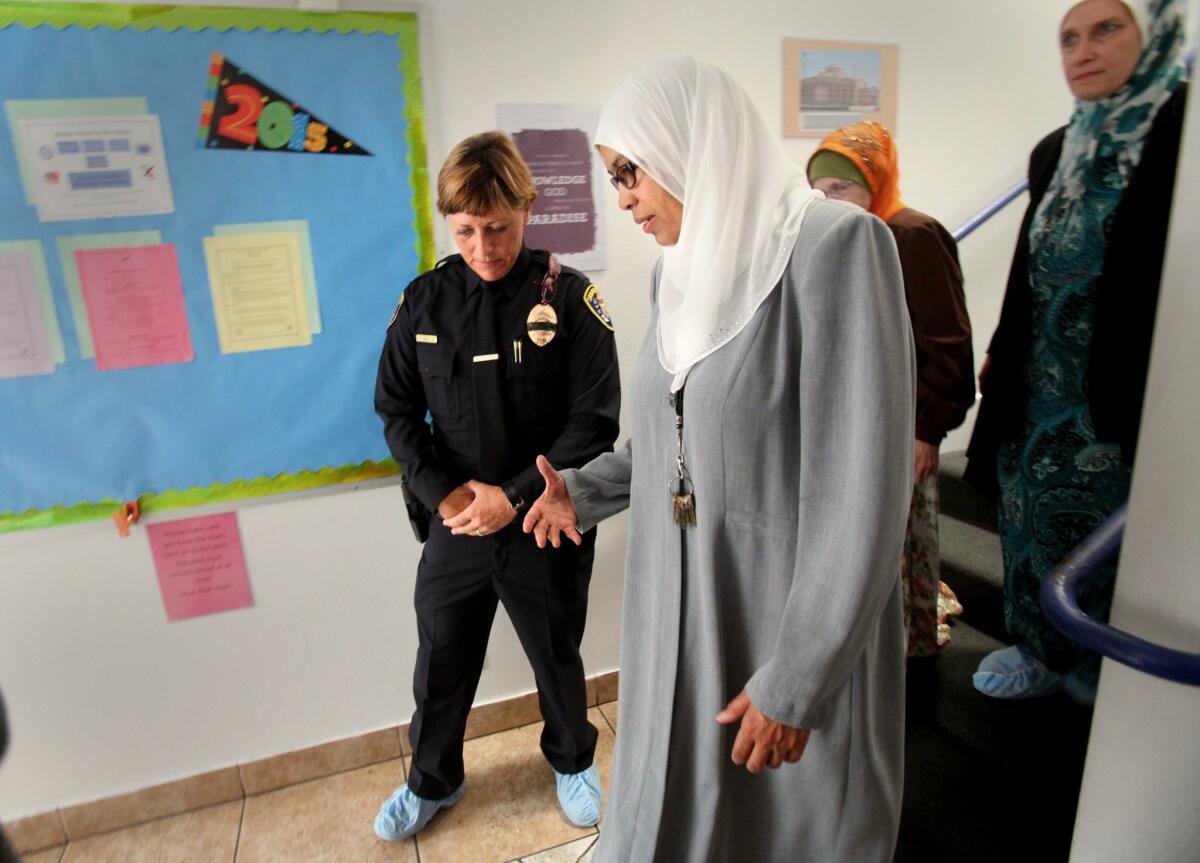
<point x="508" y="815"/>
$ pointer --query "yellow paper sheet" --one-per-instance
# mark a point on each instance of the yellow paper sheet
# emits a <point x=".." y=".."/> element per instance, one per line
<point x="298" y="227"/>
<point x="257" y="284"/>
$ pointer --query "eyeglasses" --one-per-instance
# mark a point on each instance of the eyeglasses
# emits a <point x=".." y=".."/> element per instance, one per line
<point x="626" y="176"/>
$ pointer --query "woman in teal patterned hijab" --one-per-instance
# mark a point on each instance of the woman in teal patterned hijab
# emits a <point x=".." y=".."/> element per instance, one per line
<point x="1062" y="466"/>
<point x="1106" y="135"/>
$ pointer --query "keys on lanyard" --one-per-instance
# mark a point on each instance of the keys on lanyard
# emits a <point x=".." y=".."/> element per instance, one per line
<point x="683" y="498"/>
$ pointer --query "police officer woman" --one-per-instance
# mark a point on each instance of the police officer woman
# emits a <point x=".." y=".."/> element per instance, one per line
<point x="511" y="355"/>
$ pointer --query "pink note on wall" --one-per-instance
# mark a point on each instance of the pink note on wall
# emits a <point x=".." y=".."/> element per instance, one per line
<point x="201" y="568"/>
<point x="134" y="300"/>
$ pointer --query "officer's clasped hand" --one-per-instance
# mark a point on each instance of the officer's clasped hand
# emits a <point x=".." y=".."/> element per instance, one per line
<point x="455" y="502"/>
<point x="489" y="512"/>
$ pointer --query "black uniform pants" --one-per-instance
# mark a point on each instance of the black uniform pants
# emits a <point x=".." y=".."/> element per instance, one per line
<point x="459" y="581"/>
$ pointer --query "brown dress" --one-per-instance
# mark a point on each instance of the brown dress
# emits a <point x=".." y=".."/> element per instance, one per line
<point x="933" y="289"/>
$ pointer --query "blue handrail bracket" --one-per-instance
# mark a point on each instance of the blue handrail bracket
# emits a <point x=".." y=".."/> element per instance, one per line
<point x="1060" y="602"/>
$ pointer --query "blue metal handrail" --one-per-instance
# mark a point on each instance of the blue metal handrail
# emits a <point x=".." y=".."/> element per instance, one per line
<point x="990" y="210"/>
<point x="1060" y="602"/>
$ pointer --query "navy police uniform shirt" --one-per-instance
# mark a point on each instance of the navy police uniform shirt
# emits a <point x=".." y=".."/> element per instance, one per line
<point x="499" y="390"/>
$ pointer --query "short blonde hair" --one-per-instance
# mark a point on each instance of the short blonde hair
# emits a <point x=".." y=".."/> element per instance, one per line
<point x="483" y="173"/>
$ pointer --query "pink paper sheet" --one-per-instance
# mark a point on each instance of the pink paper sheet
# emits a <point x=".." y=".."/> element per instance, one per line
<point x="135" y="306"/>
<point x="201" y="567"/>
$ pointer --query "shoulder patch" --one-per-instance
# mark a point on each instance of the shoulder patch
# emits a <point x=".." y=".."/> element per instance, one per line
<point x="396" y="313"/>
<point x="597" y="306"/>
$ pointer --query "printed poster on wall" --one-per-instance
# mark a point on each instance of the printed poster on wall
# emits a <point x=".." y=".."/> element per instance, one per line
<point x="828" y="85"/>
<point x="97" y="168"/>
<point x="556" y="141"/>
<point x="17" y="110"/>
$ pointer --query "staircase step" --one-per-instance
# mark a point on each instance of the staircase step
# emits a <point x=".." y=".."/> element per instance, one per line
<point x="973" y="567"/>
<point x="940" y="693"/>
<point x="958" y="807"/>
<point x="986" y="779"/>
<point x="958" y="499"/>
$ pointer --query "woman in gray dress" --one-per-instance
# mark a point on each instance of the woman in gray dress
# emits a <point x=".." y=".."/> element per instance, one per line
<point x="768" y="477"/>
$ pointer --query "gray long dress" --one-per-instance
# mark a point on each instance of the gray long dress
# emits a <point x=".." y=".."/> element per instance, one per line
<point x="798" y="437"/>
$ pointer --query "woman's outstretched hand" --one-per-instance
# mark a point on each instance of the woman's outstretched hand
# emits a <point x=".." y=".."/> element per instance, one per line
<point x="553" y="514"/>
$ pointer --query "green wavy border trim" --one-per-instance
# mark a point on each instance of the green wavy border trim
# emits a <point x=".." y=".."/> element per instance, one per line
<point x="414" y="109"/>
<point x="120" y="16"/>
<point x="171" y="18"/>
<point x="217" y="493"/>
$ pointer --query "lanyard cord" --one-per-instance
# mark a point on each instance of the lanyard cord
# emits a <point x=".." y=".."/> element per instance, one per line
<point x="683" y="500"/>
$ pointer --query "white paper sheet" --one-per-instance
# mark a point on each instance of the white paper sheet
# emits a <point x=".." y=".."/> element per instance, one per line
<point x="24" y="345"/>
<point x="95" y="168"/>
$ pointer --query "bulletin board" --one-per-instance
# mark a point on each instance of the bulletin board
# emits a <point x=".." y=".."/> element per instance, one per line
<point x="287" y="147"/>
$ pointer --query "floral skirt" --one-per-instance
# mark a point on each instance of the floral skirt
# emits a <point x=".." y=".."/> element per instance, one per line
<point x="928" y="603"/>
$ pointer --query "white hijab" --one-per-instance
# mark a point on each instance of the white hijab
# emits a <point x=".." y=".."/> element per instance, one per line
<point x="1139" y="9"/>
<point x="697" y="134"/>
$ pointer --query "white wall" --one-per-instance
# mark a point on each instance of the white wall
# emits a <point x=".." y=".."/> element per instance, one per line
<point x="106" y="697"/>
<point x="980" y="84"/>
<point x="1141" y="785"/>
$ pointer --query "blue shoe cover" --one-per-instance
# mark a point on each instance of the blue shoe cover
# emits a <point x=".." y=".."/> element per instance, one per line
<point x="1015" y="673"/>
<point x="405" y="814"/>
<point x="579" y="796"/>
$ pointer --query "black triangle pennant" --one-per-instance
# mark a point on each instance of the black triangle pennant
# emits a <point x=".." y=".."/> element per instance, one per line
<point x="242" y="113"/>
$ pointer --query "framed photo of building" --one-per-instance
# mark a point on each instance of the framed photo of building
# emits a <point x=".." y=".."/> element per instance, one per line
<point x="828" y="85"/>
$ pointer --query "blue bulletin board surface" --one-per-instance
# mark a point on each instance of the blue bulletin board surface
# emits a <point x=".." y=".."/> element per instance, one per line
<point x="79" y="442"/>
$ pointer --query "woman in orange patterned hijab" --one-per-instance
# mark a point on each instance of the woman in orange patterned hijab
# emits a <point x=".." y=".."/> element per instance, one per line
<point x="869" y="149"/>
<point x="859" y="165"/>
